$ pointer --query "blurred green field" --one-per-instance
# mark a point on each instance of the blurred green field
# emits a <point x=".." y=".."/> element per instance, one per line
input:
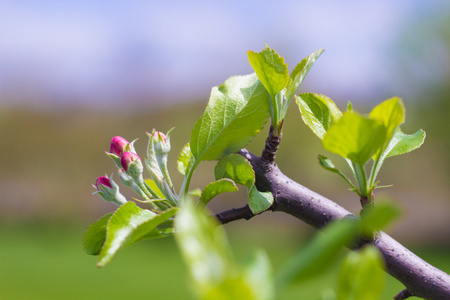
<point x="46" y="261"/>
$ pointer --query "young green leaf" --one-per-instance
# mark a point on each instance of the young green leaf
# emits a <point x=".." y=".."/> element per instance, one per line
<point x="319" y="253"/>
<point x="259" y="201"/>
<point x="225" y="126"/>
<point x="318" y="112"/>
<point x="152" y="184"/>
<point x="355" y="137"/>
<point x="299" y="73"/>
<point x="390" y="113"/>
<point x="184" y="159"/>
<point x="210" y="263"/>
<point x="95" y="235"/>
<point x="403" y="143"/>
<point x="215" y="188"/>
<point x="128" y="225"/>
<point x="327" y="164"/>
<point x="270" y="68"/>
<point x="236" y="168"/>
<point x="361" y="275"/>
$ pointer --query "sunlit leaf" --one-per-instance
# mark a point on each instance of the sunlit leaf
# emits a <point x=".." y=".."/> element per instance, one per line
<point x="318" y="112"/>
<point x="95" y="236"/>
<point x="215" y="274"/>
<point x="271" y="69"/>
<point x="184" y="159"/>
<point x="319" y="253"/>
<point x="361" y="275"/>
<point x="215" y="188"/>
<point x="355" y="137"/>
<point x="236" y="112"/>
<point x="258" y="275"/>
<point x="403" y="143"/>
<point x="299" y="73"/>
<point x="130" y="224"/>
<point x="152" y="184"/>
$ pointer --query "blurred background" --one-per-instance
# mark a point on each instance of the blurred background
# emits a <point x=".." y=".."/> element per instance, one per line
<point x="73" y="74"/>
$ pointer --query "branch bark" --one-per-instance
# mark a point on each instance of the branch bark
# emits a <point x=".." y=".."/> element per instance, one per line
<point x="420" y="278"/>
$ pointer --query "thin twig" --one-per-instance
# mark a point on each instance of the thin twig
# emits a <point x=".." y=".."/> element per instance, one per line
<point x="405" y="294"/>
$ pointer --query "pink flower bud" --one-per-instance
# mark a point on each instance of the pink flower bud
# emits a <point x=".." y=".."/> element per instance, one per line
<point x="118" y="145"/>
<point x="103" y="182"/>
<point x="160" y="134"/>
<point x="128" y="158"/>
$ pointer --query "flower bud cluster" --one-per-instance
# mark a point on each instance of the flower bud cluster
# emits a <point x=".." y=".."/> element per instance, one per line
<point x="131" y="169"/>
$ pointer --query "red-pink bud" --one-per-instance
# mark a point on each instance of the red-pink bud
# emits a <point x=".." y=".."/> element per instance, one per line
<point x="162" y="135"/>
<point x="103" y="181"/>
<point x="128" y="158"/>
<point x="118" y="145"/>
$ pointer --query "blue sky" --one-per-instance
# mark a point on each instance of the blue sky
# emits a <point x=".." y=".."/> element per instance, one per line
<point x="96" y="53"/>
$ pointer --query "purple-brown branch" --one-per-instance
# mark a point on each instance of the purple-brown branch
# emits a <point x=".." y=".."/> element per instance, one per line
<point x="420" y="278"/>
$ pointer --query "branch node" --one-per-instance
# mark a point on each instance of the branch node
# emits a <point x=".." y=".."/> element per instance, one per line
<point x="271" y="147"/>
<point x="403" y="295"/>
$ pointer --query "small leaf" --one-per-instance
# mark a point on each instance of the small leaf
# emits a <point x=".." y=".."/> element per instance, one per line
<point x="152" y="184"/>
<point x="259" y="201"/>
<point x="215" y="188"/>
<point x="318" y="112"/>
<point x="95" y="235"/>
<point x="403" y="143"/>
<point x="361" y="275"/>
<point x="355" y="137"/>
<point x="130" y="224"/>
<point x="236" y="112"/>
<point x="327" y="164"/>
<point x="349" y="106"/>
<point x="270" y="68"/>
<point x="299" y="73"/>
<point x="184" y="159"/>
<point x="236" y="168"/>
<point x="319" y="253"/>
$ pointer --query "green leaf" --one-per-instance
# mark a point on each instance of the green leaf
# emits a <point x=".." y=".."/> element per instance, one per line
<point x="318" y="112"/>
<point x="258" y="275"/>
<point x="236" y="112"/>
<point x="390" y="113"/>
<point x="299" y="73"/>
<point x="270" y="68"/>
<point x="327" y="164"/>
<point x="378" y="217"/>
<point x="214" y="272"/>
<point x="215" y="188"/>
<point x="95" y="235"/>
<point x="355" y="137"/>
<point x="403" y="143"/>
<point x="204" y="247"/>
<point x="130" y="224"/>
<point x="236" y="168"/>
<point x="319" y="253"/>
<point x="184" y="159"/>
<point x="152" y="184"/>
<point x="259" y="201"/>
<point x="361" y="275"/>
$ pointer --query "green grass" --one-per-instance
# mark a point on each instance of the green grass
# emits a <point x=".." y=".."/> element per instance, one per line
<point x="46" y="261"/>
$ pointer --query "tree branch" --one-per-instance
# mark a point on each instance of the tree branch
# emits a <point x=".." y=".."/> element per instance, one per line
<point x="420" y="278"/>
